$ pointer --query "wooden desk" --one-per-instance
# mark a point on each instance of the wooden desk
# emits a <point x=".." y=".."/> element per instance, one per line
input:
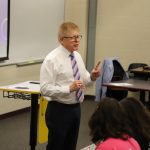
<point x="33" y="89"/>
<point x="130" y="84"/>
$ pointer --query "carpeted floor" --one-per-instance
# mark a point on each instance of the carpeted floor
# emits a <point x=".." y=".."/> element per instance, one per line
<point x="14" y="131"/>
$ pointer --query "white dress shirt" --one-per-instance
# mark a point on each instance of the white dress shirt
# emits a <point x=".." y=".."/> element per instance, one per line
<point x="56" y="75"/>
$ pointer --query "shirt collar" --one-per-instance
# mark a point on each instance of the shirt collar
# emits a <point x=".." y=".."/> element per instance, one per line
<point x="66" y="51"/>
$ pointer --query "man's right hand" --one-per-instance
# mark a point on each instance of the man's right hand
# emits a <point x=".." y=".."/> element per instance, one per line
<point x="76" y="85"/>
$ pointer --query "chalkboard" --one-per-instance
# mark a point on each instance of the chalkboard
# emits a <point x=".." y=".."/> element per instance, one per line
<point x="33" y="29"/>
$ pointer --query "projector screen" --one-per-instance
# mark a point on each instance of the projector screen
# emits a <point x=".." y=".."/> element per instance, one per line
<point x="4" y="29"/>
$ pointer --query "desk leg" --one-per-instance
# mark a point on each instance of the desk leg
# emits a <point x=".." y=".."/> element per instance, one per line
<point x="33" y="122"/>
<point x="142" y="97"/>
<point x="148" y="103"/>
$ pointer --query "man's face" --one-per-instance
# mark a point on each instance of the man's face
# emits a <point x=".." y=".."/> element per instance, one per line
<point x="71" y="41"/>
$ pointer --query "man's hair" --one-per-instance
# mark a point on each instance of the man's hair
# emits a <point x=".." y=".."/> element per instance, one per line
<point x="66" y="28"/>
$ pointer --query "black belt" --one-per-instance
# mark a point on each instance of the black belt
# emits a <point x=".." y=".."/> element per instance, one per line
<point x="63" y="104"/>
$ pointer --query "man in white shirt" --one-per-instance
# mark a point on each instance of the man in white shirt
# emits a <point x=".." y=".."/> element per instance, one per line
<point x="60" y="87"/>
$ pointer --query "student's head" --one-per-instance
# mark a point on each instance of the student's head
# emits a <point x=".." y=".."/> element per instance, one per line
<point x="138" y="116"/>
<point x="69" y="36"/>
<point x="108" y="121"/>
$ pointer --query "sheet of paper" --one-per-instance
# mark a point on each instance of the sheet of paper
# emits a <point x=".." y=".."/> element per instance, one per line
<point x="90" y="147"/>
<point x="123" y="84"/>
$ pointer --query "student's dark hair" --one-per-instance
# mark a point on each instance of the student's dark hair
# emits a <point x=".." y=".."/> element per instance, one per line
<point x="108" y="121"/>
<point x="138" y="115"/>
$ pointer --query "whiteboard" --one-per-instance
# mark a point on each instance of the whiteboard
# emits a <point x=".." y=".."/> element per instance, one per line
<point x="33" y="29"/>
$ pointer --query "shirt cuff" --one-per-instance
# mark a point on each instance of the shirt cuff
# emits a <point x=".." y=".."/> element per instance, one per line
<point x="66" y="89"/>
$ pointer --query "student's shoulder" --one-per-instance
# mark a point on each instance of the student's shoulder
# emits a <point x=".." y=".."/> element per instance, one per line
<point x="112" y="143"/>
<point x="106" y="144"/>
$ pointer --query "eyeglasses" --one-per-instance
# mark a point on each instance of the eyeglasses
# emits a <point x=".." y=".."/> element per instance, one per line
<point x="74" y="38"/>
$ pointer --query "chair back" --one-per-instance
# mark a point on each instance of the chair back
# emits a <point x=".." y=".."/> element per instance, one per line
<point x="134" y="66"/>
<point x="119" y="74"/>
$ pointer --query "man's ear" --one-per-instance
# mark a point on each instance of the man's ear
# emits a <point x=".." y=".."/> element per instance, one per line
<point x="60" y="39"/>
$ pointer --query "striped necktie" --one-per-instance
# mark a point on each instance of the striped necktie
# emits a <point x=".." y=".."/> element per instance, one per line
<point x="76" y="74"/>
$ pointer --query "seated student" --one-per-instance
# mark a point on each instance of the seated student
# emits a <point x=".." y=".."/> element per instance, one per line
<point x="139" y="120"/>
<point x="108" y="127"/>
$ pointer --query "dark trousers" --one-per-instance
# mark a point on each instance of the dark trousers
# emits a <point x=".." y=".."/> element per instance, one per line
<point x="63" y="121"/>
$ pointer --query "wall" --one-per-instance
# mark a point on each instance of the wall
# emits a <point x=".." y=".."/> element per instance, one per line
<point x="33" y="33"/>
<point x="76" y="11"/>
<point x="123" y="30"/>
<point x="30" y="38"/>
<point x="13" y="74"/>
